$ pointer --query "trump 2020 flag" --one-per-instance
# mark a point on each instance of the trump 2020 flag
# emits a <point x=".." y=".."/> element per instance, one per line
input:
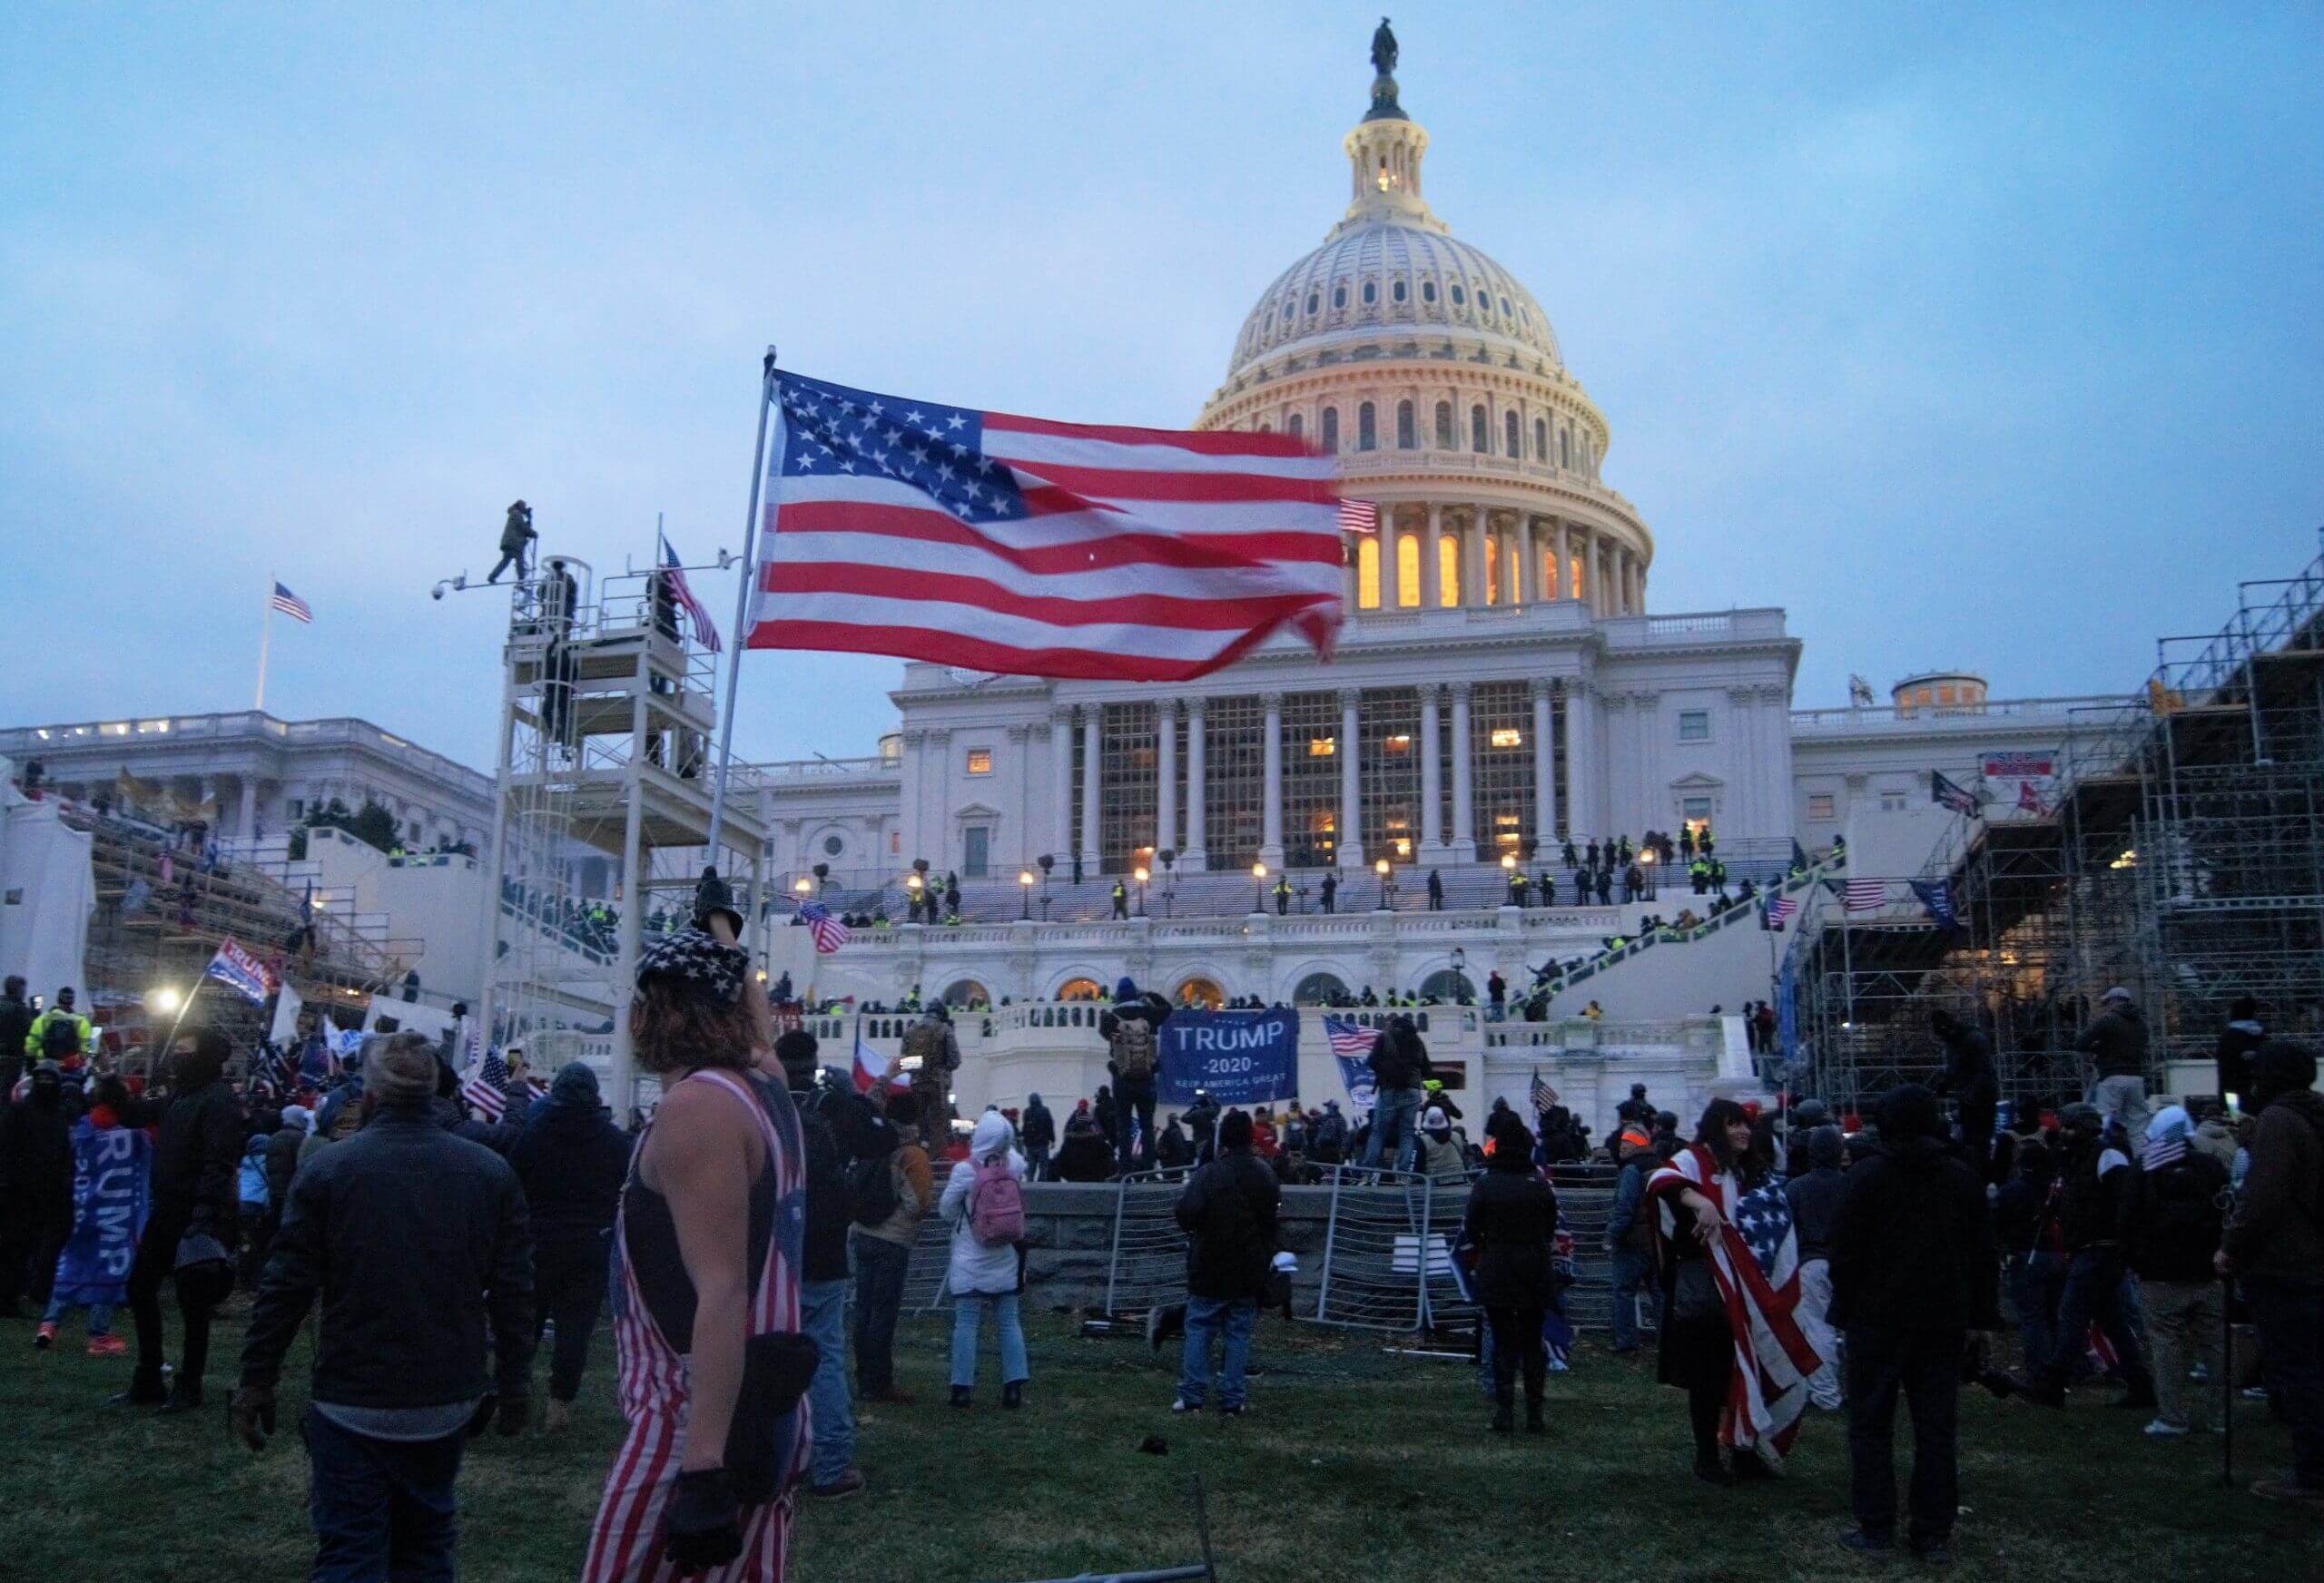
<point x="242" y="972"/>
<point x="1036" y="548"/>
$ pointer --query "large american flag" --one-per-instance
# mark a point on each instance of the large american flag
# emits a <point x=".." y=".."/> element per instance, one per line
<point x="1781" y="910"/>
<point x="1755" y="1261"/>
<point x="1018" y="545"/>
<point x="1866" y="895"/>
<point x="829" y="932"/>
<point x="705" y="631"/>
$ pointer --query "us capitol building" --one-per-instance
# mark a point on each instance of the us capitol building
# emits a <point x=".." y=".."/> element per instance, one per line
<point x="1500" y="686"/>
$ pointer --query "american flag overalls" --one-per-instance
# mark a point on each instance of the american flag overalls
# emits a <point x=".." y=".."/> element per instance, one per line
<point x="626" y="1544"/>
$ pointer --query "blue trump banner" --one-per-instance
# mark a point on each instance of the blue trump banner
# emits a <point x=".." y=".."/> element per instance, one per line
<point x="112" y="1197"/>
<point x="1238" y="1058"/>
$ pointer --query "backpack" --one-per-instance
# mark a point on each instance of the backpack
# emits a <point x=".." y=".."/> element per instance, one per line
<point x="871" y="1183"/>
<point x="60" y="1040"/>
<point x="996" y="1205"/>
<point x="1134" y="1046"/>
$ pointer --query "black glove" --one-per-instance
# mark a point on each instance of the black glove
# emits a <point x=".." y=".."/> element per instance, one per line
<point x="510" y="1413"/>
<point x="702" y="1524"/>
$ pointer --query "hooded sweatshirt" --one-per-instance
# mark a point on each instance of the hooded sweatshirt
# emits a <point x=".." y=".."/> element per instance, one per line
<point x="571" y="1159"/>
<point x="1912" y="1245"/>
<point x="2277" y="1228"/>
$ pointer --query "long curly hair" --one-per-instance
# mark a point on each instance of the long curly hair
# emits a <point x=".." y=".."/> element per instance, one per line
<point x="681" y="1029"/>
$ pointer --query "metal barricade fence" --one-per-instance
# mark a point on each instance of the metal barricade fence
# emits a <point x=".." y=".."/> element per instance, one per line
<point x="1375" y="1251"/>
<point x="1441" y="1299"/>
<point x="932" y="1259"/>
<point x="1147" y="1265"/>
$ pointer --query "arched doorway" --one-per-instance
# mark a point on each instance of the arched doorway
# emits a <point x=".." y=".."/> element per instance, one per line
<point x="1201" y="995"/>
<point x="963" y="992"/>
<point x="1319" y="990"/>
<point x="1444" y="984"/>
<point x="1080" y="989"/>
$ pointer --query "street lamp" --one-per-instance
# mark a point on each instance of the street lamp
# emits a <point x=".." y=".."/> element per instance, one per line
<point x="1139" y="875"/>
<point x="1258" y="887"/>
<point x="1460" y="972"/>
<point x="802" y="885"/>
<point x="164" y="999"/>
<point x="913" y="884"/>
<point x="1387" y="886"/>
<point x="1025" y="893"/>
<point x="1646" y="856"/>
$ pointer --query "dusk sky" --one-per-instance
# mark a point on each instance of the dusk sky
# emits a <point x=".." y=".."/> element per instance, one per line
<point x="1986" y="337"/>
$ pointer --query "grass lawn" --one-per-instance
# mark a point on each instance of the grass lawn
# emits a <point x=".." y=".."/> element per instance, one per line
<point x="1351" y="1465"/>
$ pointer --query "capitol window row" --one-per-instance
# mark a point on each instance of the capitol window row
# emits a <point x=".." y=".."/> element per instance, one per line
<point x="1560" y="447"/>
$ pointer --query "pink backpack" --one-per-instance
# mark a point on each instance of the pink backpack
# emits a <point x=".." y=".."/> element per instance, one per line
<point x="996" y="1205"/>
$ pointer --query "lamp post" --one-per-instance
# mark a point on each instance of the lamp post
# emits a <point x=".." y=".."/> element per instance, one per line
<point x="1139" y="875"/>
<point x="1460" y="973"/>
<point x="1387" y="886"/>
<point x="1258" y="887"/>
<point x="1025" y="894"/>
<point x="1646" y="869"/>
<point x="913" y="883"/>
<point x="801" y="885"/>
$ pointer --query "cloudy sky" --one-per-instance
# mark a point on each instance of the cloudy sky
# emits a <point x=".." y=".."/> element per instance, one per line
<point x="1983" y="336"/>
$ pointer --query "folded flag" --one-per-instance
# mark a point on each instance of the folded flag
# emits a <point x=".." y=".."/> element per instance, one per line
<point x="1036" y="548"/>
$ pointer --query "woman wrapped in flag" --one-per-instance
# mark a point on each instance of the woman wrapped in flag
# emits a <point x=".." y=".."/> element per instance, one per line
<point x="1730" y="1281"/>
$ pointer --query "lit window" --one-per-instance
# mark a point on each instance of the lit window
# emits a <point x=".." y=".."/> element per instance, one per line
<point x="1322" y="747"/>
<point x="1694" y="726"/>
<point x="1508" y="736"/>
<point x="1447" y="569"/>
<point x="1947" y="695"/>
<point x="1408" y="570"/>
<point x="1819" y="805"/>
<point x="1367" y="571"/>
<point x="1400" y="743"/>
<point x="1696" y="811"/>
<point x="979" y="760"/>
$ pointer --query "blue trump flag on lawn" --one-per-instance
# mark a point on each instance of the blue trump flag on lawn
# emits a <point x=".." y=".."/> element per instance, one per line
<point x="112" y="1197"/>
<point x="1239" y="1058"/>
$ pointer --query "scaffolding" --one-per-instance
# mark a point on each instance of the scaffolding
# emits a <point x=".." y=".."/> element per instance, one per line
<point x="2181" y="856"/>
<point x="605" y="749"/>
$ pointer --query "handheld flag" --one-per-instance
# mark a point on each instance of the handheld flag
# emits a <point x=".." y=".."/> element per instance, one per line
<point x="975" y="538"/>
<point x="1350" y="1042"/>
<point x="482" y="1088"/>
<point x="869" y="1066"/>
<point x="829" y="932"/>
<point x="1544" y="1097"/>
<point x="242" y="972"/>
<point x="673" y="572"/>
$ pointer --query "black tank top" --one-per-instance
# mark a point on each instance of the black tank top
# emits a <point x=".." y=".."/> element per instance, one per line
<point x="650" y="1237"/>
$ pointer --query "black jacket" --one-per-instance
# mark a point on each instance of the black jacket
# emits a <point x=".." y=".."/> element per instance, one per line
<point x="1912" y="1245"/>
<point x="1399" y="1059"/>
<point x="15" y="1026"/>
<point x="36" y="1159"/>
<point x="1228" y="1210"/>
<point x="2237" y="1043"/>
<point x="1040" y="1128"/>
<point x="1815" y="1198"/>
<point x="1513" y="1219"/>
<point x="1969" y="1069"/>
<point x="572" y="1161"/>
<point x="831" y="1203"/>
<point x="2115" y="1043"/>
<point x="2173" y="1218"/>
<point x="198" y="1158"/>
<point x="2090" y="1205"/>
<point x="412" y="1237"/>
<point x="281" y="1165"/>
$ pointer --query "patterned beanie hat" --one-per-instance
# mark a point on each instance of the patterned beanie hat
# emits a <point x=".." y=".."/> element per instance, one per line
<point x="692" y="960"/>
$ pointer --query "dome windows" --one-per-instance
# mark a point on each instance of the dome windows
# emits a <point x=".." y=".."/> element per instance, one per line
<point x="1407" y="437"/>
<point x="1504" y="305"/>
<point x="1367" y="427"/>
<point x="1460" y="297"/>
<point x="1331" y="431"/>
<point x="1396" y="290"/>
<point x="1565" y="448"/>
<point x="1480" y="435"/>
<point x="1339" y="296"/>
<point x="1509" y="433"/>
<point x="1428" y="291"/>
<point x="1296" y="425"/>
<point x="1541" y="439"/>
<point x="1444" y="426"/>
<point x="1371" y="292"/>
<point x="1315" y="301"/>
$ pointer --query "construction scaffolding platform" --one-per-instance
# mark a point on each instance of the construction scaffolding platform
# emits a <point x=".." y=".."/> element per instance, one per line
<point x="2180" y="856"/>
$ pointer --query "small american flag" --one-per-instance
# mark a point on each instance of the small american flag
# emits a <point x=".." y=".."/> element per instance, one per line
<point x="483" y="1091"/>
<point x="829" y="932"/>
<point x="1348" y="1038"/>
<point x="1544" y="1097"/>
<point x="1780" y="911"/>
<point x="1359" y="517"/>
<point x="705" y="631"/>
<point x="291" y="604"/>
<point x="1866" y="895"/>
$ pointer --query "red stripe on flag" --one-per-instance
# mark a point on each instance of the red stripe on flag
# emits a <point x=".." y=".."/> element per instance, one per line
<point x="915" y="643"/>
<point x="1193" y="552"/>
<point x="1182" y="614"/>
<point x="1224" y="442"/>
<point x="1207" y="488"/>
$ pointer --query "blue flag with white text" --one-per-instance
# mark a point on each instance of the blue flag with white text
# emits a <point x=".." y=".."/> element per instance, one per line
<point x="1238" y="1058"/>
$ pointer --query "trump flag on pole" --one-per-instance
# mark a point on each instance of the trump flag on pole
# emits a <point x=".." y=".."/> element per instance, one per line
<point x="239" y="970"/>
<point x="1018" y="545"/>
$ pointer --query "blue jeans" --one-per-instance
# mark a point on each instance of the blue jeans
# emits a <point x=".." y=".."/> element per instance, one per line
<point x="1633" y="1273"/>
<point x="2036" y="1282"/>
<point x="1134" y="1097"/>
<point x="1206" y="1317"/>
<point x="2291" y="1317"/>
<point x="880" y="1266"/>
<point x="1395" y="1114"/>
<point x="100" y="1314"/>
<point x="381" y="1509"/>
<point x="967" y="1324"/>
<point x="823" y="1315"/>
<point x="2094" y="1293"/>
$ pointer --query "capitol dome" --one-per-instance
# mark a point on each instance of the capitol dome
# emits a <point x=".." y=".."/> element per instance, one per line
<point x="1433" y="377"/>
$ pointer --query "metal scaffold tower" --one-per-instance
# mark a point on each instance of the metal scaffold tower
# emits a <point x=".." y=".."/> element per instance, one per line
<point x="607" y="725"/>
<point x="2180" y="856"/>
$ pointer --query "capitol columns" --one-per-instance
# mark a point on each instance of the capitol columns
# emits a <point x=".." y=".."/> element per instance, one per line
<point x="1093" y="717"/>
<point x="1431" y="594"/>
<point x="1061" y="780"/>
<point x="1545" y="769"/>
<point x="1582" y="815"/>
<point x="1386" y="549"/>
<point x="1464" y="813"/>
<point x="1473" y="556"/>
<point x="1166" y="789"/>
<point x="1565" y="560"/>
<point x="1351" y="841"/>
<point x="1196" y="856"/>
<point x="1271" y="799"/>
<point x="1432" y="775"/>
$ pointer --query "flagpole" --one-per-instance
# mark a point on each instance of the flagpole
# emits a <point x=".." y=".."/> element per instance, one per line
<point x="742" y="617"/>
<point x="265" y="637"/>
